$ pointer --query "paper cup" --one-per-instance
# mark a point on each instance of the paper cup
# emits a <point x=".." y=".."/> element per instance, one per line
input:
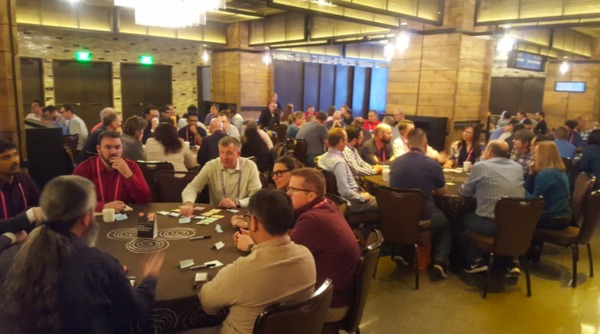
<point x="467" y="166"/>
<point x="386" y="175"/>
<point x="108" y="215"/>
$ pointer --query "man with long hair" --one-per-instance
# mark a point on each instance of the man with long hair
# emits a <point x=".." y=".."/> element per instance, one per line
<point x="57" y="282"/>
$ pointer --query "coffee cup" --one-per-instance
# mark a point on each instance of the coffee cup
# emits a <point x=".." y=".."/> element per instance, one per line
<point x="108" y="215"/>
<point x="467" y="166"/>
<point x="386" y="175"/>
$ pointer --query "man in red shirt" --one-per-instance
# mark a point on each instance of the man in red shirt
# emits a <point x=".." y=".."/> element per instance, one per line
<point x="372" y="121"/>
<point x="118" y="181"/>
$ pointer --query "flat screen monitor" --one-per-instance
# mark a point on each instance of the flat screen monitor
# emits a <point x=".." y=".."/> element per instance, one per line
<point x="526" y="61"/>
<point x="570" y="86"/>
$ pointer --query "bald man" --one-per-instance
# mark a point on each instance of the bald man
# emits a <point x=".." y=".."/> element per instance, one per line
<point x="379" y="149"/>
<point x="210" y="145"/>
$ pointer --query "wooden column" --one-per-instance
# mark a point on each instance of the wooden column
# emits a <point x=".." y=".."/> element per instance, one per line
<point x="11" y="126"/>
<point x="238" y="73"/>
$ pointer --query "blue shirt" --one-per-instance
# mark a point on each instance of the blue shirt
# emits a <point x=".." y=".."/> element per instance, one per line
<point x="334" y="162"/>
<point x="292" y="131"/>
<point x="490" y="180"/>
<point x="415" y="170"/>
<point x="590" y="162"/>
<point x="553" y="185"/>
<point x="566" y="149"/>
<point x="496" y="133"/>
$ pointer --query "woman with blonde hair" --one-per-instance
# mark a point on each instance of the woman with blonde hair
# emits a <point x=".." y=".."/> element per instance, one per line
<point x="547" y="178"/>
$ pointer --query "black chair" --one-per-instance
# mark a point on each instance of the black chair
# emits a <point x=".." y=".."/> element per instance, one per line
<point x="342" y="204"/>
<point x="573" y="236"/>
<point x="71" y="141"/>
<point x="400" y="212"/>
<point x="515" y="223"/>
<point x="300" y="317"/>
<point x="170" y="185"/>
<point x="300" y="148"/>
<point x="368" y="265"/>
<point x="281" y="130"/>
<point x="583" y="187"/>
<point x="149" y="169"/>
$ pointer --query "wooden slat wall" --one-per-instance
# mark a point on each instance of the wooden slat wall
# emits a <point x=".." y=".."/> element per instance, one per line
<point x="446" y="75"/>
<point x="561" y="106"/>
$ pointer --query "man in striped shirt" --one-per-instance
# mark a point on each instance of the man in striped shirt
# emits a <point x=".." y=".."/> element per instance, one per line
<point x="357" y="165"/>
<point x="490" y="179"/>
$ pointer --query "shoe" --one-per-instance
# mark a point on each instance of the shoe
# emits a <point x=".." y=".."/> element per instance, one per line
<point x="513" y="271"/>
<point x="476" y="267"/>
<point x="439" y="269"/>
<point x="400" y="260"/>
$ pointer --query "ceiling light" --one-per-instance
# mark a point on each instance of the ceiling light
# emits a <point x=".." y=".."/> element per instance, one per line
<point x="171" y="13"/>
<point x="403" y="38"/>
<point x="389" y="50"/>
<point x="267" y="59"/>
<point x="505" y="45"/>
<point x="565" y="66"/>
<point x="205" y="56"/>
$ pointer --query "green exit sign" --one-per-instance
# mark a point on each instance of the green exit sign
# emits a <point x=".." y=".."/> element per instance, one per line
<point x="146" y="60"/>
<point x="83" y="56"/>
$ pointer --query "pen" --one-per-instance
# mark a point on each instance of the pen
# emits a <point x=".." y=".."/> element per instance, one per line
<point x="200" y="237"/>
<point x="200" y="266"/>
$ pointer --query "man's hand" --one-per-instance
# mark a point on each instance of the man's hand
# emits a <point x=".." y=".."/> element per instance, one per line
<point x="121" y="166"/>
<point x="193" y="130"/>
<point x="119" y="206"/>
<point x="238" y="221"/>
<point x="39" y="214"/>
<point x="187" y="209"/>
<point x="227" y="203"/>
<point x="20" y="236"/>
<point x="366" y="196"/>
<point x="378" y="169"/>
<point x="152" y="264"/>
<point x="243" y="240"/>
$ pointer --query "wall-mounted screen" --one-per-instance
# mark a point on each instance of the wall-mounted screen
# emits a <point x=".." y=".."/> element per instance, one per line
<point x="569" y="86"/>
<point x="526" y="61"/>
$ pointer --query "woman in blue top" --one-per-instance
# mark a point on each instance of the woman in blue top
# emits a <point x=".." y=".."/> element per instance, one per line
<point x="547" y="178"/>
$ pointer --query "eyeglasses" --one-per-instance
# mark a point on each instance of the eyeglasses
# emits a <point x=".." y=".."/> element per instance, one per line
<point x="279" y="173"/>
<point x="292" y="190"/>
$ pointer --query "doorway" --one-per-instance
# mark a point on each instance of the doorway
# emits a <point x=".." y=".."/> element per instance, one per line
<point x="145" y="84"/>
<point x="32" y="83"/>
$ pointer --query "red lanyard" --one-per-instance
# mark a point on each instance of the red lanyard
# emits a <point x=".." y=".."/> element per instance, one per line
<point x="4" y="200"/>
<point x="470" y="152"/>
<point x="572" y="137"/>
<point x="239" y="183"/>
<point x="383" y="153"/>
<point x="415" y="151"/>
<point x="102" y="186"/>
<point x="187" y="133"/>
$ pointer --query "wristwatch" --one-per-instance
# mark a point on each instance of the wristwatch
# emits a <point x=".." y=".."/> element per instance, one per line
<point x="237" y="204"/>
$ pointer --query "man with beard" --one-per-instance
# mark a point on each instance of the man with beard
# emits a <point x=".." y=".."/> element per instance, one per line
<point x="18" y="192"/>
<point x="379" y="149"/>
<point x="118" y="181"/>
<point x="59" y="283"/>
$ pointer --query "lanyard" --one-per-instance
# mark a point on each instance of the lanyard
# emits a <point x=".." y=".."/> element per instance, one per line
<point x="239" y="183"/>
<point x="470" y="152"/>
<point x="572" y="137"/>
<point x="187" y="134"/>
<point x="415" y="151"/>
<point x="382" y="156"/>
<point x="101" y="186"/>
<point x="4" y="200"/>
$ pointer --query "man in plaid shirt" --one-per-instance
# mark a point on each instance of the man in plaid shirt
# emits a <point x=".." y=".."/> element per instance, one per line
<point x="357" y="165"/>
<point x="521" y="152"/>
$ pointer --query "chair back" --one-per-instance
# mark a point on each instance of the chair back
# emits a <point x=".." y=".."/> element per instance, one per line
<point x="273" y="135"/>
<point x="170" y="185"/>
<point x="71" y="141"/>
<point x="280" y="129"/>
<point x="300" y="317"/>
<point x="265" y="178"/>
<point x="330" y="182"/>
<point x="278" y="150"/>
<point x="583" y="186"/>
<point x="368" y="265"/>
<point x="590" y="218"/>
<point x="516" y="219"/>
<point x="149" y="168"/>
<point x="399" y="212"/>
<point x="568" y="165"/>
<point x="300" y="150"/>
<point x="342" y="204"/>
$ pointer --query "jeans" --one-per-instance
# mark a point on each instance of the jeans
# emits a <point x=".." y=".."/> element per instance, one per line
<point x="479" y="225"/>
<point x="442" y="236"/>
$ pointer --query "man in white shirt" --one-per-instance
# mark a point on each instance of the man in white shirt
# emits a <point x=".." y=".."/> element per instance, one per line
<point x="231" y="179"/>
<point x="36" y="110"/>
<point x="76" y="125"/>
<point x="228" y="128"/>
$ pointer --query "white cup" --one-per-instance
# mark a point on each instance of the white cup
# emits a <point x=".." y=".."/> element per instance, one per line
<point x="187" y="144"/>
<point x="108" y="215"/>
<point x="386" y="174"/>
<point x="467" y="166"/>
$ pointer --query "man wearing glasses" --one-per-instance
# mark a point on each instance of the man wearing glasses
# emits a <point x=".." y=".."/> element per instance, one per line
<point x="276" y="269"/>
<point x="323" y="230"/>
<point x="231" y="179"/>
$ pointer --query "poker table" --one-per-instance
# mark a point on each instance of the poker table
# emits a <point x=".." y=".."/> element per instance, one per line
<point x="451" y="204"/>
<point x="177" y="306"/>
